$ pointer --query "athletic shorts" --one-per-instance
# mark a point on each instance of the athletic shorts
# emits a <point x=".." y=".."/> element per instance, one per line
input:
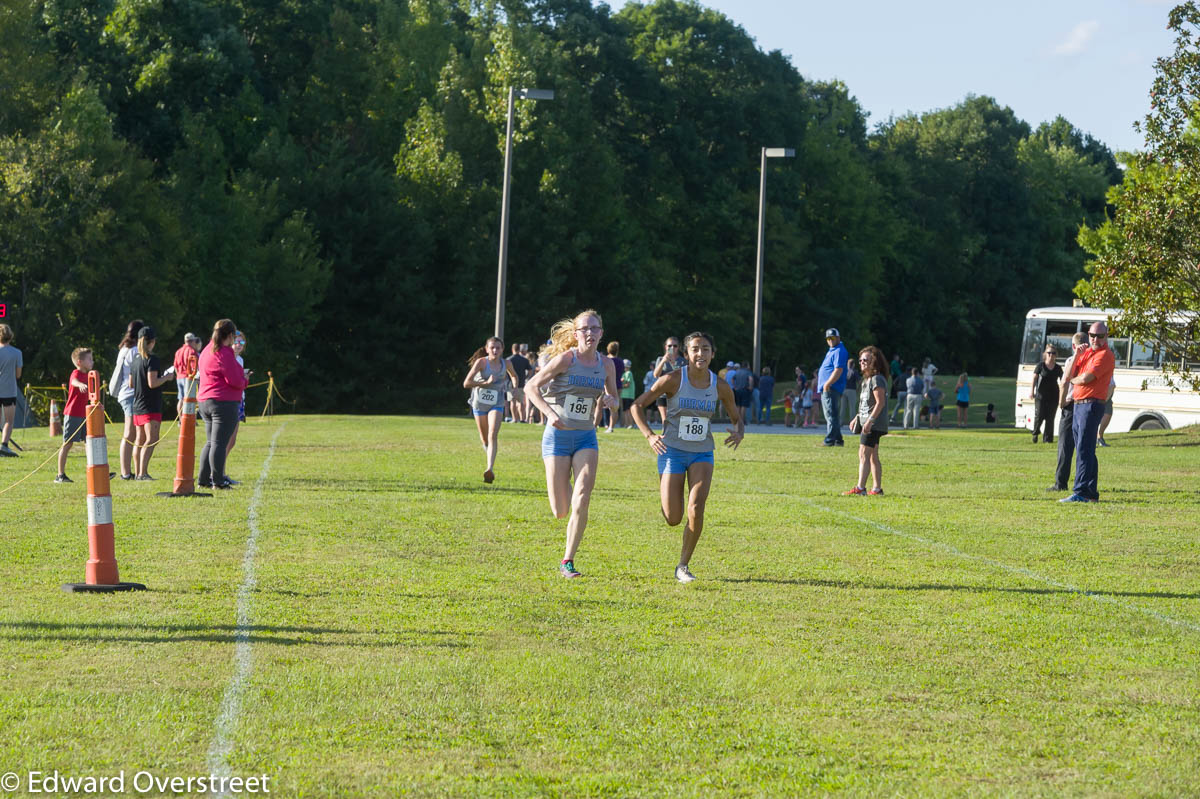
<point x="517" y="395"/>
<point x="742" y="397"/>
<point x="962" y="404"/>
<point x="565" y="443"/>
<point x="677" y="461"/>
<point x="73" y="429"/>
<point x="486" y="411"/>
<point x="7" y="401"/>
<point x="127" y="406"/>
<point x="1108" y="408"/>
<point x="934" y="410"/>
<point x="242" y="409"/>
<point x="626" y="403"/>
<point x="141" y="419"/>
<point x="871" y="439"/>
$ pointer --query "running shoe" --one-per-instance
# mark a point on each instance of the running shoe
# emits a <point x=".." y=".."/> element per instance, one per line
<point x="5" y="452"/>
<point x="127" y="477"/>
<point x="224" y="484"/>
<point x="1077" y="498"/>
<point x="488" y="476"/>
<point x="567" y="569"/>
<point x="62" y="478"/>
<point x="875" y="492"/>
<point x="683" y="575"/>
<point x="855" y="492"/>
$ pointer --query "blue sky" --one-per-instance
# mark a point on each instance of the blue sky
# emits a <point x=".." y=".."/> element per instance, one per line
<point x="1092" y="62"/>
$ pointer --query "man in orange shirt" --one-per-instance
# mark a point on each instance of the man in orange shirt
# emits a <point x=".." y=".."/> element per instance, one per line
<point x="1090" y="374"/>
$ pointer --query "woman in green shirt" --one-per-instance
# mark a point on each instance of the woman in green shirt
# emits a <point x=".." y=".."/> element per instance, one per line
<point x="628" y="392"/>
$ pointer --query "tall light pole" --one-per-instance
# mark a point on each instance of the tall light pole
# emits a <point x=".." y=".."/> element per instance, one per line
<point x="502" y="272"/>
<point x="767" y="152"/>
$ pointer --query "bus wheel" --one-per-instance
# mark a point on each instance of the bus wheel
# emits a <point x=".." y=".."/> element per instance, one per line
<point x="1150" y="423"/>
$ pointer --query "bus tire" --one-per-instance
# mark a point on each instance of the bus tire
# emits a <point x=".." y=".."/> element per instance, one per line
<point x="1150" y="422"/>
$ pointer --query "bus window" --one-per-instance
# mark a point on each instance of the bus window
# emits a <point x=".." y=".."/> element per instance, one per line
<point x="1059" y="334"/>
<point x="1145" y="356"/>
<point x="1035" y="338"/>
<point x="1120" y="348"/>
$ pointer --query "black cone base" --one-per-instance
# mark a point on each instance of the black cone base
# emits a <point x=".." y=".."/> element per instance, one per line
<point x="85" y="588"/>
<point x="172" y="494"/>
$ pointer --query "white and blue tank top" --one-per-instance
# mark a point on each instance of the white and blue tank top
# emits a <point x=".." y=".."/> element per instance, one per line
<point x="689" y="415"/>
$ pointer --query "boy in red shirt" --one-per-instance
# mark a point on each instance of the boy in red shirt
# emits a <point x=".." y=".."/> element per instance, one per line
<point x="75" y="413"/>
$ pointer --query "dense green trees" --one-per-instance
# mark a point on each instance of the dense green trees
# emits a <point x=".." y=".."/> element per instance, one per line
<point x="328" y="174"/>
<point x="1147" y="257"/>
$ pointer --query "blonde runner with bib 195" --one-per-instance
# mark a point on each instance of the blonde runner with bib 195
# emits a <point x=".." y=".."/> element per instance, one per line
<point x="489" y="379"/>
<point x="685" y="449"/>
<point x="577" y="382"/>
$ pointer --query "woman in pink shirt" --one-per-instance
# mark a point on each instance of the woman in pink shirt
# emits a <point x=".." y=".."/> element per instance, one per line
<point x="222" y="381"/>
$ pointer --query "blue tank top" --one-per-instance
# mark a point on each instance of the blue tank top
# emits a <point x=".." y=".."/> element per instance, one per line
<point x="573" y="394"/>
<point x="689" y="415"/>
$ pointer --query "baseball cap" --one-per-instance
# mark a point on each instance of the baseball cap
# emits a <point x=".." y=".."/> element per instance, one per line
<point x="832" y="333"/>
<point x="730" y="363"/>
<point x="146" y="332"/>
<point x="628" y="362"/>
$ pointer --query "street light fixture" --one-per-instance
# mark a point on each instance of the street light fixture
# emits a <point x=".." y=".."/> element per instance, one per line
<point x="767" y="152"/>
<point x="502" y="276"/>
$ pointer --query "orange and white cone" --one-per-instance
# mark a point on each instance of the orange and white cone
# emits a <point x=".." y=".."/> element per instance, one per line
<point x="101" y="570"/>
<point x="185" y="461"/>
<point x="55" y="420"/>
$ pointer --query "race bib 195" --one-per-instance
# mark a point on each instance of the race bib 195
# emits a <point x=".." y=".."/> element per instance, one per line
<point x="693" y="428"/>
<point x="578" y="409"/>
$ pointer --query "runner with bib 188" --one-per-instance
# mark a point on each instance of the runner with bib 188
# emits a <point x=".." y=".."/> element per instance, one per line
<point x="575" y="383"/>
<point x="686" y="446"/>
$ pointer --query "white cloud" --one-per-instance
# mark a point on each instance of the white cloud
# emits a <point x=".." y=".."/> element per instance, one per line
<point x="1078" y="38"/>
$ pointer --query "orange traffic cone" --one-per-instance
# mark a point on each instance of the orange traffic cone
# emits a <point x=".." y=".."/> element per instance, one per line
<point x="185" y="461"/>
<point x="55" y="420"/>
<point x="101" y="570"/>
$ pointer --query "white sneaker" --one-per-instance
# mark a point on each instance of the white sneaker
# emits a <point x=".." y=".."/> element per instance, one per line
<point x="683" y="575"/>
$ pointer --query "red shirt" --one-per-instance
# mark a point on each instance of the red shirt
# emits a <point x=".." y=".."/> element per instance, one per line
<point x="221" y="376"/>
<point x="1099" y="362"/>
<point x="181" y="360"/>
<point x="76" y="399"/>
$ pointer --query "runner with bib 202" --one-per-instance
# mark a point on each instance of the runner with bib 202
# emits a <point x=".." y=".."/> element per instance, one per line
<point x="489" y="378"/>
<point x="570" y="391"/>
<point x="686" y="446"/>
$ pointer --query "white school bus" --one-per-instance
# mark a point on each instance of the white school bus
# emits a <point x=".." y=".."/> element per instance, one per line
<point x="1143" y="399"/>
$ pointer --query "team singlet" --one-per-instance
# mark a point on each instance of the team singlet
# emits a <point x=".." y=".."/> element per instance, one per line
<point x="689" y="415"/>
<point x="574" y="393"/>
<point x="486" y="397"/>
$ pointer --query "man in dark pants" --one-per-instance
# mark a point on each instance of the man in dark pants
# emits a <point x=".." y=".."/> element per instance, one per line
<point x="1090" y="375"/>
<point x="832" y="379"/>
<point x="1066" y="433"/>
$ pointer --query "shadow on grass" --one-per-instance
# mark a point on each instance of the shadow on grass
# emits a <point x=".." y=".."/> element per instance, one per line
<point x="117" y="632"/>
<point x="975" y="589"/>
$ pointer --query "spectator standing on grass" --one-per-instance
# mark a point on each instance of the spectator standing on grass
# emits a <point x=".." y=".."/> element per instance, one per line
<point x="801" y="380"/>
<point x="1091" y="373"/>
<point x="871" y="423"/>
<point x="669" y="361"/>
<point x="789" y="417"/>
<point x="754" y="395"/>
<point x="1108" y="410"/>
<point x="146" y="380"/>
<point x="239" y="347"/>
<point x="1066" y="433"/>
<point x="614" y="352"/>
<point x="766" y="394"/>
<point x="900" y="392"/>
<point x="808" y="405"/>
<point x="521" y="368"/>
<point x="222" y="382"/>
<point x="915" y="387"/>
<point x="936" y="397"/>
<point x="739" y="381"/>
<point x="928" y="370"/>
<point x="118" y="386"/>
<point x="831" y="378"/>
<point x="1044" y="391"/>
<point x="75" y="409"/>
<point x="962" y="398"/>
<point x="850" y="396"/>
<point x="11" y="363"/>
<point x="628" y="391"/>
<point x="190" y="348"/>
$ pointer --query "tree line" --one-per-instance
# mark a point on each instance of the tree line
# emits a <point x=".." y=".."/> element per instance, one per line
<point x="328" y="175"/>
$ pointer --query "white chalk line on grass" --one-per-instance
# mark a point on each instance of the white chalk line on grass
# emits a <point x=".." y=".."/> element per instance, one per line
<point x="231" y="703"/>
<point x="1018" y="570"/>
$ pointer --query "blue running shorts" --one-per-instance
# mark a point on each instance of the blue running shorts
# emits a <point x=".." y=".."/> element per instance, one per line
<point x="565" y="443"/>
<point x="486" y="411"/>
<point x="677" y="461"/>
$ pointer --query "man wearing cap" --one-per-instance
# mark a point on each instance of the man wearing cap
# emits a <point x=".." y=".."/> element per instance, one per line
<point x="191" y="346"/>
<point x="831" y="379"/>
<point x="1089" y="376"/>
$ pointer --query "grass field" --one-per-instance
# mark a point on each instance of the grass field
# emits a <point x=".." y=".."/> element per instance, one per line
<point x="406" y="632"/>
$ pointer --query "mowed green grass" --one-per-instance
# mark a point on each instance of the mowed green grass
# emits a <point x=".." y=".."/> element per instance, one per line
<point x="410" y="634"/>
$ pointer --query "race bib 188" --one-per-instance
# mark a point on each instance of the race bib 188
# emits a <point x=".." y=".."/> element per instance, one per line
<point x="693" y="428"/>
<point x="578" y="408"/>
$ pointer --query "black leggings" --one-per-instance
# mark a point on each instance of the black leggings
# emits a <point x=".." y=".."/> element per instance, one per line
<point x="220" y="423"/>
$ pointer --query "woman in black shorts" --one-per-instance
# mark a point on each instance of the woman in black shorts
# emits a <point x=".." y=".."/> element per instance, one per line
<point x="871" y="422"/>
